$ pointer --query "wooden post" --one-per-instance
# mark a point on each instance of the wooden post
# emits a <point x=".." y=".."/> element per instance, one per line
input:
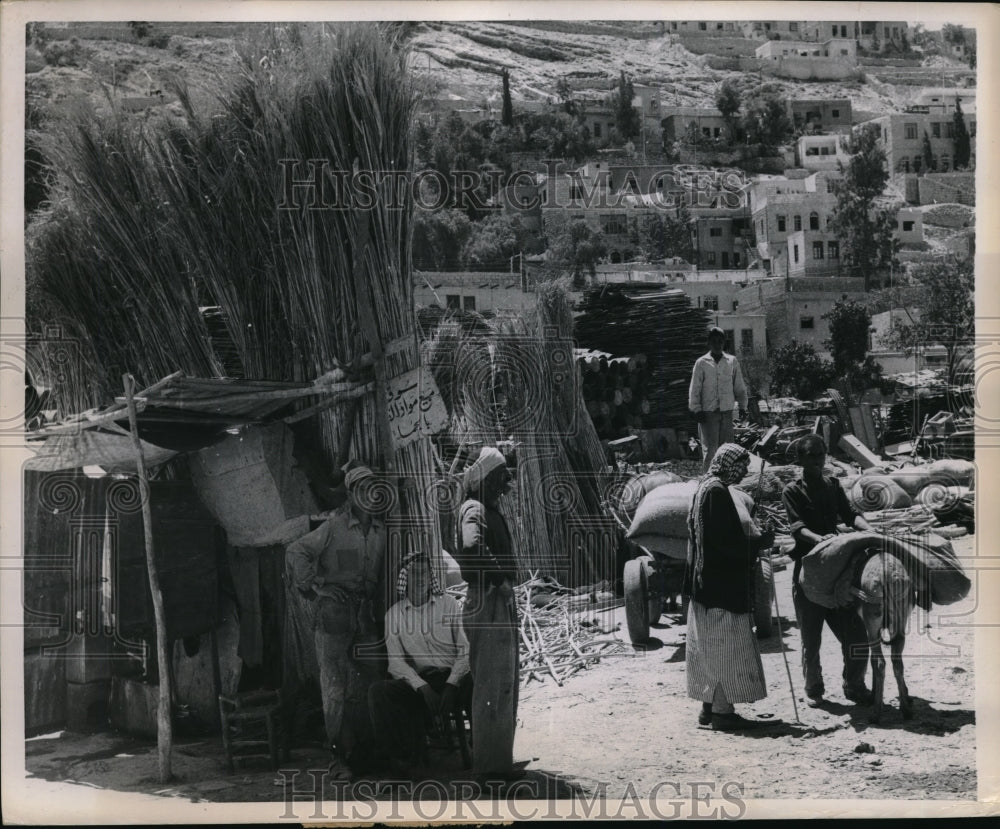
<point x="164" y="735"/>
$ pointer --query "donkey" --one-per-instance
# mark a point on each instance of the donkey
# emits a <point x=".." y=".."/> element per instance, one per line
<point x="887" y="599"/>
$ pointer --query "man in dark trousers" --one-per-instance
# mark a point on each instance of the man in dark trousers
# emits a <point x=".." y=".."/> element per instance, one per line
<point x="716" y="389"/>
<point x="490" y="616"/>
<point x="428" y="663"/>
<point x="337" y="569"/>
<point x="814" y="504"/>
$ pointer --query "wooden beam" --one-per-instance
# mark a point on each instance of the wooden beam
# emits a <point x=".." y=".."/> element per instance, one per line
<point x="91" y="422"/>
<point x="164" y="735"/>
<point x="333" y="400"/>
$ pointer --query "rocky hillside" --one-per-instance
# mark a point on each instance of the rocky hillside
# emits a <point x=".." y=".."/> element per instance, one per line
<point x="462" y="61"/>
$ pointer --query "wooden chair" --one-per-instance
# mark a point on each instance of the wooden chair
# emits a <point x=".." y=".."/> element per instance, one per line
<point x="252" y="727"/>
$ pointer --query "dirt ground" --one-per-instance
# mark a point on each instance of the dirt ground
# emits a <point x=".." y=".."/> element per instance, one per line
<point x="626" y="725"/>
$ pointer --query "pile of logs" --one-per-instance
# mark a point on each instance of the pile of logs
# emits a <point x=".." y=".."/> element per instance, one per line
<point x="614" y="392"/>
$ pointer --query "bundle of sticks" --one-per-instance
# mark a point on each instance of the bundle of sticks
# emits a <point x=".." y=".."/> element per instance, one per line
<point x="560" y="634"/>
<point x="915" y="519"/>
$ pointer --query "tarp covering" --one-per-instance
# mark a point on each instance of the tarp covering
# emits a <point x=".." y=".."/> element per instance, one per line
<point x="178" y="414"/>
<point x="111" y="452"/>
<point x="829" y="568"/>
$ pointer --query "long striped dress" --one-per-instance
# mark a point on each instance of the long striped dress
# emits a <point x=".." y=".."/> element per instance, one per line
<point x="721" y="648"/>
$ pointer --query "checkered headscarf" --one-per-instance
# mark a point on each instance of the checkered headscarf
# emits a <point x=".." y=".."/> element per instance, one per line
<point x="404" y="567"/>
<point x="730" y="463"/>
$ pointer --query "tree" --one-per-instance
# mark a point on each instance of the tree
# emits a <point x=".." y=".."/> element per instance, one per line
<point x="507" y="112"/>
<point x="495" y="239"/>
<point x="727" y="101"/>
<point x="865" y="231"/>
<point x="764" y="117"/>
<point x="754" y="368"/>
<point x="627" y="119"/>
<point x="574" y="247"/>
<point x="797" y="370"/>
<point x="849" y="322"/>
<point x="439" y="237"/>
<point x="953" y="33"/>
<point x="662" y="235"/>
<point x="928" y="154"/>
<point x="963" y="144"/>
<point x="565" y="93"/>
<point x="947" y="310"/>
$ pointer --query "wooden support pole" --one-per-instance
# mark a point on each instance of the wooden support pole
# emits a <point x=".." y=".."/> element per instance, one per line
<point x="164" y="735"/>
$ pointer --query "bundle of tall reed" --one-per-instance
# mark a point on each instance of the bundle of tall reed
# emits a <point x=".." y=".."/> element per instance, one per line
<point x="153" y="221"/>
<point x="519" y="385"/>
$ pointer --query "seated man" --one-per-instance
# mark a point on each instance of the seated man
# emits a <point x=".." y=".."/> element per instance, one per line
<point x="814" y="504"/>
<point x="428" y="663"/>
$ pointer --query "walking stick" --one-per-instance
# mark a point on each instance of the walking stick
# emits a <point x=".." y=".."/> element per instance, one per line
<point x="777" y="609"/>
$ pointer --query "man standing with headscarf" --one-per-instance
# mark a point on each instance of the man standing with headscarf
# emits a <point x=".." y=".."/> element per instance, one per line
<point x="428" y="662"/>
<point x="490" y="616"/>
<point x="716" y="389"/>
<point x="722" y="657"/>
<point x="338" y="568"/>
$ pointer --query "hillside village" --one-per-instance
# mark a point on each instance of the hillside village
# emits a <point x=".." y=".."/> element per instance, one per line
<point x="588" y="198"/>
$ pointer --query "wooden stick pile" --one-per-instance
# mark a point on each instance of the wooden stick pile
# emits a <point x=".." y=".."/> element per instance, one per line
<point x="561" y="637"/>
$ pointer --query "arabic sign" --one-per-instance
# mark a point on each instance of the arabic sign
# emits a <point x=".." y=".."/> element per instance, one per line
<point x="415" y="407"/>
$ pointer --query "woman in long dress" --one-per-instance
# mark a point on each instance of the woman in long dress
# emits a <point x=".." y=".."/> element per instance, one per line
<point x="722" y="656"/>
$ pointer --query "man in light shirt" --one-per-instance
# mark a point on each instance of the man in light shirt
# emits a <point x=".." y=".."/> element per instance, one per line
<point x="716" y="388"/>
<point x="428" y="662"/>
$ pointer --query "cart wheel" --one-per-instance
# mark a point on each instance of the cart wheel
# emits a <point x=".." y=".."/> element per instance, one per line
<point x="654" y="596"/>
<point x="636" y="605"/>
<point x="762" y="598"/>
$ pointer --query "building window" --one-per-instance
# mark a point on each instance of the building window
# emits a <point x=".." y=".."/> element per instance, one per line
<point x="835" y="113"/>
<point x="917" y="162"/>
<point x="718" y="26"/>
<point x="711" y="302"/>
<point x="710" y="257"/>
<point x="797" y="221"/>
<point x="910" y="131"/>
<point x="843" y="31"/>
<point x="781" y="224"/>
<point x="806" y="324"/>
<point x="907" y="226"/>
<point x="949" y="129"/>
<point x="885" y="31"/>
<point x="843" y="51"/>
<point x="597" y="130"/>
<point x="614" y="225"/>
<point x="936" y="130"/>
<point x="945" y="162"/>
<point x="736" y="260"/>
<point x="703" y="26"/>
<point x="746" y="340"/>
<point x="814" y="221"/>
<point x="793" y="27"/>
<point x="795" y="253"/>
<point x="833" y="249"/>
<point x="469" y="303"/>
<point x="453" y="302"/>
<point x="817" y="250"/>
<point x="715" y="231"/>
<point x="904" y="164"/>
<point x="673" y="25"/>
<point x="725" y="259"/>
<point x="728" y="345"/>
